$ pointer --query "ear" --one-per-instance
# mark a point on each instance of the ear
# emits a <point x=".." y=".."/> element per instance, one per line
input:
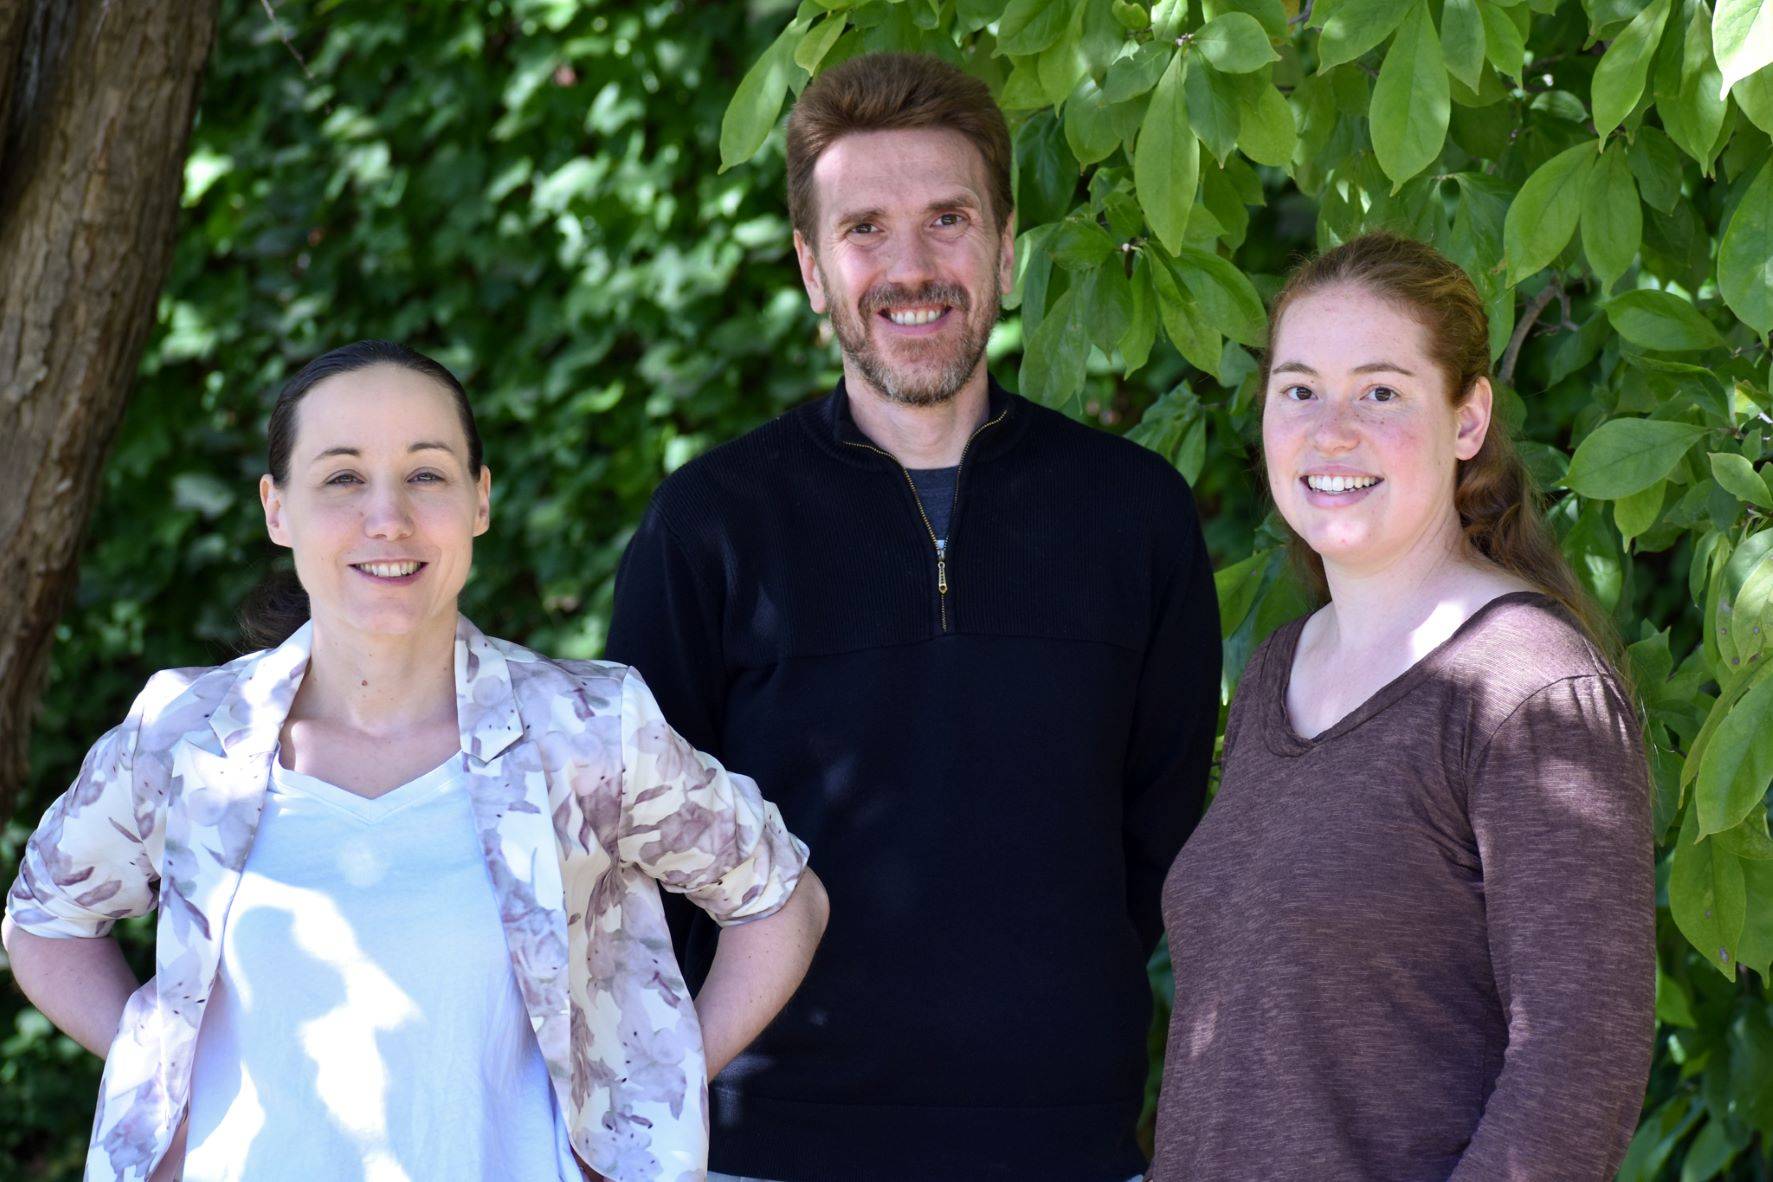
<point x="1472" y="419"/>
<point x="1006" y="257"/>
<point x="809" y="272"/>
<point x="483" y="501"/>
<point x="272" y="501"/>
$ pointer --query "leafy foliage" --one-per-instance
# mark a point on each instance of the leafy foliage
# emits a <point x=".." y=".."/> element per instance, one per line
<point x="547" y="195"/>
<point x="1599" y="170"/>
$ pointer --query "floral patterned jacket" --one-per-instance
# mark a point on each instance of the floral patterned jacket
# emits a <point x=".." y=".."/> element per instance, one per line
<point x="584" y="800"/>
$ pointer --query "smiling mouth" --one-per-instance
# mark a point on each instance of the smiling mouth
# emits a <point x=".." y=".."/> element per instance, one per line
<point x="916" y="316"/>
<point x="1335" y="485"/>
<point x="390" y="570"/>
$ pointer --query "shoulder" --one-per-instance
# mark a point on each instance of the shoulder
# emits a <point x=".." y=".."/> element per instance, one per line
<point x="537" y="677"/>
<point x="1523" y="647"/>
<point x="176" y="702"/>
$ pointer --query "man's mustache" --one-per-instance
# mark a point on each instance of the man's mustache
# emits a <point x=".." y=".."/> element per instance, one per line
<point x="896" y="295"/>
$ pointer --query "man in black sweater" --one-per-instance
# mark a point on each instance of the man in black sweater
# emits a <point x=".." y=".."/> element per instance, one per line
<point x="971" y="650"/>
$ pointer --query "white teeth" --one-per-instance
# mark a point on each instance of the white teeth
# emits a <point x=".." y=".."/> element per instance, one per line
<point x="1337" y="484"/>
<point x="389" y="570"/>
<point x="909" y="319"/>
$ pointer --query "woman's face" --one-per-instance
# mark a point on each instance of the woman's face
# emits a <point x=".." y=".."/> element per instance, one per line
<point x="379" y="507"/>
<point x="1359" y="434"/>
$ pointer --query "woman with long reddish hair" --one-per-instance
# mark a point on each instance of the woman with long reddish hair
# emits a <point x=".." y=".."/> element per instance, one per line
<point x="1414" y="936"/>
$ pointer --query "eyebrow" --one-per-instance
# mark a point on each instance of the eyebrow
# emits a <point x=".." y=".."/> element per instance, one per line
<point x="1368" y="367"/>
<point x="960" y="199"/>
<point x="425" y="445"/>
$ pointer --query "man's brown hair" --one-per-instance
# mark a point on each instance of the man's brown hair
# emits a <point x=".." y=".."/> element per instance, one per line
<point x="894" y="92"/>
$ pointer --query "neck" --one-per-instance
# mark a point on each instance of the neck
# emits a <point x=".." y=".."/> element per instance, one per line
<point x="919" y="436"/>
<point x="379" y="684"/>
<point x="1374" y="605"/>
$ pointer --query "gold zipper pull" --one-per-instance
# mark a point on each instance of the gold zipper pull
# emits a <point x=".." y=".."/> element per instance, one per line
<point x="942" y="566"/>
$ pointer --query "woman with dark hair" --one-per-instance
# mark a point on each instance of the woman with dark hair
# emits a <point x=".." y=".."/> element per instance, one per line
<point x="1413" y="938"/>
<point x="409" y="924"/>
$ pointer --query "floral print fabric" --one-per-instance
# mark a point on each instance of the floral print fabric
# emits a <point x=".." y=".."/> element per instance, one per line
<point x="585" y="801"/>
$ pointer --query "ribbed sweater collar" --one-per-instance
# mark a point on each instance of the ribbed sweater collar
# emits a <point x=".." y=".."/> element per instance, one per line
<point x="831" y="424"/>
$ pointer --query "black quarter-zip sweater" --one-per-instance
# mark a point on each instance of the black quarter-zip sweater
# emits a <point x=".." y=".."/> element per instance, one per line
<point x="994" y="754"/>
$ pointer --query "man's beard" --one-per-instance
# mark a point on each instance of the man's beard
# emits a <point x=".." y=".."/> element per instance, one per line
<point x="913" y="384"/>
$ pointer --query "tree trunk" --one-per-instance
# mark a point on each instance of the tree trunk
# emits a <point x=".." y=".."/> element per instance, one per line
<point x="96" y="103"/>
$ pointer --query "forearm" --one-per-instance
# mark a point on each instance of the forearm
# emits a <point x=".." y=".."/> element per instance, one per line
<point x="81" y="985"/>
<point x="756" y="968"/>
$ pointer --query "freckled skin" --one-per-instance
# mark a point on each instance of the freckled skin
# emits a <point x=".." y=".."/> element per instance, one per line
<point x="1399" y="426"/>
<point x="904" y="219"/>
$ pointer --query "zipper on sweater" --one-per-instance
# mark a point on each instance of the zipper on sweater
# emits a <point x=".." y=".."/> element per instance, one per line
<point x="940" y="545"/>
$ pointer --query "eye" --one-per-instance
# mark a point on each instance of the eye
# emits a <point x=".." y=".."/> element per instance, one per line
<point x="342" y="478"/>
<point x="951" y="220"/>
<point x="1383" y="394"/>
<point x="864" y="228"/>
<point x="428" y="477"/>
<point x="1295" y="393"/>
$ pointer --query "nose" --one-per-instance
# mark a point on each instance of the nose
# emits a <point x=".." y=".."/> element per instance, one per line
<point x="913" y="261"/>
<point x="388" y="516"/>
<point x="1334" y="429"/>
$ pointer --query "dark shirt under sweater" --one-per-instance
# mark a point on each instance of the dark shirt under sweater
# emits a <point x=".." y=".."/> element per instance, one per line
<point x="935" y="490"/>
<point x="992" y="780"/>
<point x="1421" y="945"/>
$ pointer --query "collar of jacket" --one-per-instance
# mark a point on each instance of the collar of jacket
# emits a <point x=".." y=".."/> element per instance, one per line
<point x="250" y="716"/>
<point x="835" y="428"/>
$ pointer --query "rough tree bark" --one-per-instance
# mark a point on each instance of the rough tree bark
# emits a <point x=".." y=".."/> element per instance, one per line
<point x="96" y="103"/>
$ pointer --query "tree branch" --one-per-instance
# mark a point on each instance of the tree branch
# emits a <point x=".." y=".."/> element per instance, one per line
<point x="1512" y="354"/>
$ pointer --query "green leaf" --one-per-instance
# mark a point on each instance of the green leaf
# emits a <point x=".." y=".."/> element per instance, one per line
<point x="1224" y="294"/>
<point x="1661" y="321"/>
<point x="1654" y="1142"/>
<point x="1107" y="303"/>
<point x="1355" y="26"/>
<point x="1028" y="27"/>
<point x="1612" y="220"/>
<point x="1133" y="75"/>
<point x="1140" y="332"/>
<point x="1687" y="81"/>
<point x="1754" y="94"/>
<point x="1637" y="512"/>
<point x="1656" y="163"/>
<point x="1166" y="161"/>
<point x="1462" y="40"/>
<point x="1057" y="351"/>
<point x="1738" y="476"/>
<point x="1624" y="456"/>
<point x="1410" y="101"/>
<point x="1745" y="257"/>
<point x="1212" y="108"/>
<point x="1708" y="897"/>
<point x="1738" y="762"/>
<point x="1503" y="43"/>
<point x="1543" y="215"/>
<point x="1079" y="244"/>
<point x="1619" y="79"/>
<point x="1710" y="1154"/>
<point x="818" y="42"/>
<point x="1266" y="131"/>
<point x="1089" y="127"/>
<point x="1183" y="321"/>
<point x="1742" y="38"/>
<point x="1593" y="552"/>
<point x="1237" y="586"/>
<point x="758" y="100"/>
<point x="1235" y="43"/>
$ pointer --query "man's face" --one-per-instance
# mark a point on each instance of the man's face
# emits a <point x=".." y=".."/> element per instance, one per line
<point x="906" y="259"/>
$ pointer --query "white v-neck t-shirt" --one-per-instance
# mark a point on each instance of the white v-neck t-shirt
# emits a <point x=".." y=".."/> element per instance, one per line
<point x="365" y="1022"/>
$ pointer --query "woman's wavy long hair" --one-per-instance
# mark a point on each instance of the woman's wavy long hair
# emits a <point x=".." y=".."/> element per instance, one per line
<point x="278" y="605"/>
<point x="1497" y="501"/>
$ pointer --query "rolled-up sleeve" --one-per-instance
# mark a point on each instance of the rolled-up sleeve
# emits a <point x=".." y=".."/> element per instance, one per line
<point x="1560" y="806"/>
<point x="700" y="830"/>
<point x="93" y="858"/>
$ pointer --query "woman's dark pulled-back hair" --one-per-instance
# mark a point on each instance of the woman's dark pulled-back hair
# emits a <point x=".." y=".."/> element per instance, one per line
<point x="278" y="606"/>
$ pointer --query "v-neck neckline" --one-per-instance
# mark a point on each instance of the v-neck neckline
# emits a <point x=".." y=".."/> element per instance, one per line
<point x="368" y="809"/>
<point x="1284" y="739"/>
